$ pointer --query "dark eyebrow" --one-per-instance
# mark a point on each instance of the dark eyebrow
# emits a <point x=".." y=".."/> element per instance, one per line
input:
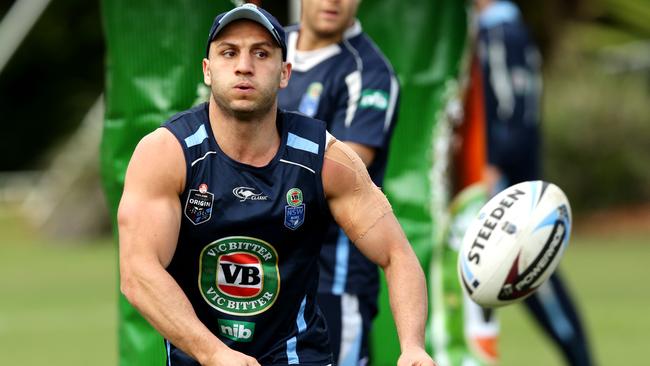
<point x="226" y="44"/>
<point x="254" y="45"/>
<point x="264" y="43"/>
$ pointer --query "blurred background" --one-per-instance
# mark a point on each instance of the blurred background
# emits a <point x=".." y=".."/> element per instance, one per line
<point x="58" y="259"/>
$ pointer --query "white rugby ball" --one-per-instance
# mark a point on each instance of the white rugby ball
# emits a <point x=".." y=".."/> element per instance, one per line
<point x="515" y="243"/>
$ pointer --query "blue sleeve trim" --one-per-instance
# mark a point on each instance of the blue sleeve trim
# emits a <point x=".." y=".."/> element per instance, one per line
<point x="197" y="137"/>
<point x="302" y="143"/>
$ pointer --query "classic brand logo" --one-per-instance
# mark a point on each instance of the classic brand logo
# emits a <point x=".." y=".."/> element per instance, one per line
<point x="247" y="193"/>
<point x="372" y="98"/>
<point x="239" y="275"/>
<point x="239" y="331"/>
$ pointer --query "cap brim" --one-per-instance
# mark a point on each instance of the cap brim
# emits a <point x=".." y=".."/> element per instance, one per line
<point x="250" y="14"/>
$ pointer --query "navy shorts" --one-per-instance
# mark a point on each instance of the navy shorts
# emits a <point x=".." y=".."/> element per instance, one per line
<point x="349" y="320"/>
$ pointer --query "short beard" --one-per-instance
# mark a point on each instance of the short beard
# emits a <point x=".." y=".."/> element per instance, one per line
<point x="255" y="112"/>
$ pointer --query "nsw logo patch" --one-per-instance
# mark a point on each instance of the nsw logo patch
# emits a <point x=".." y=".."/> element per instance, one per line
<point x="198" y="207"/>
<point x="294" y="211"/>
<point x="239" y="275"/>
<point x="310" y="100"/>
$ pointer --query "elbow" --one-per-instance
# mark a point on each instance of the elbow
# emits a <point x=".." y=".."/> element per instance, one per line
<point x="128" y="267"/>
<point x="123" y="215"/>
<point x="132" y="288"/>
<point x="128" y="284"/>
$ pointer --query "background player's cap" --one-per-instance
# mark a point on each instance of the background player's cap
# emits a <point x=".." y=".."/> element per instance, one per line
<point x="250" y="12"/>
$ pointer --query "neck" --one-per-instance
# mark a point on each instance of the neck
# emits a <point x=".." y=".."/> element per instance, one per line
<point x="253" y="141"/>
<point x="309" y="40"/>
<point x="482" y="4"/>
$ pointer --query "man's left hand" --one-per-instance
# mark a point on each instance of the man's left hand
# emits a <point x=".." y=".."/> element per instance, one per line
<point x="415" y="357"/>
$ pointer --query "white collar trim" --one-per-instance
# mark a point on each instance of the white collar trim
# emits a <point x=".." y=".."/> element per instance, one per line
<point x="305" y="60"/>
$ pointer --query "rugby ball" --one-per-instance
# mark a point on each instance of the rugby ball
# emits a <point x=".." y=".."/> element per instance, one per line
<point x="515" y="243"/>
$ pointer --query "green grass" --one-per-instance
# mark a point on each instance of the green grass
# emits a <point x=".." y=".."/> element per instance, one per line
<point x="57" y="305"/>
<point x="58" y="301"/>
<point x="608" y="277"/>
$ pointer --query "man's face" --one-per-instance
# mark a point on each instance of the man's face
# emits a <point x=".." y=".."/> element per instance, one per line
<point x="328" y="17"/>
<point x="245" y="70"/>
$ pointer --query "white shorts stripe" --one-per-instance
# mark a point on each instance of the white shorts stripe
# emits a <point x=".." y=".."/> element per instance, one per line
<point x="351" y="331"/>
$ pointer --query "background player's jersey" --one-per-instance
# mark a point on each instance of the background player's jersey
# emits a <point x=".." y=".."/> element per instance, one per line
<point x="511" y="67"/>
<point x="352" y="87"/>
<point x="249" y="241"/>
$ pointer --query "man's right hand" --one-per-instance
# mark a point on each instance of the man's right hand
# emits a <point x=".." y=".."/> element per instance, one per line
<point x="230" y="357"/>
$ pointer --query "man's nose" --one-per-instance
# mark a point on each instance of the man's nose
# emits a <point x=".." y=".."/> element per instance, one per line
<point x="244" y="63"/>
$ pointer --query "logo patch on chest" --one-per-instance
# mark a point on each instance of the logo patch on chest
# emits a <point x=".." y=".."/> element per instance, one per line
<point x="294" y="211"/>
<point x="310" y="100"/>
<point x="198" y="207"/>
<point x="239" y="275"/>
<point x="239" y="331"/>
<point x="247" y="193"/>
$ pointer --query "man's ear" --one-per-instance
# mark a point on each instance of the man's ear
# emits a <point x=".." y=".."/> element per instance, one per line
<point x="207" y="80"/>
<point x="285" y="75"/>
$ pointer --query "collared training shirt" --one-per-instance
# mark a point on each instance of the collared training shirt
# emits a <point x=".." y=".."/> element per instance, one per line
<point x="352" y="87"/>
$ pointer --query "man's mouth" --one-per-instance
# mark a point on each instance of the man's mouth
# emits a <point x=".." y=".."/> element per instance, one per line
<point x="244" y="86"/>
<point x="330" y="13"/>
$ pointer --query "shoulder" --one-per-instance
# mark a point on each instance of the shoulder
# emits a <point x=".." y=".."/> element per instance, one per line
<point x="159" y="147"/>
<point x="373" y="59"/>
<point x="191" y="126"/>
<point x="304" y="131"/>
<point x="158" y="158"/>
<point x="160" y="138"/>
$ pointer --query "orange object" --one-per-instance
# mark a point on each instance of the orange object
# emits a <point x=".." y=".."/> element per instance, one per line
<point x="470" y="158"/>
<point x="486" y="347"/>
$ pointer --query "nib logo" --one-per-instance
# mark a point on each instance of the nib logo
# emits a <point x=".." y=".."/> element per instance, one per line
<point x="239" y="331"/>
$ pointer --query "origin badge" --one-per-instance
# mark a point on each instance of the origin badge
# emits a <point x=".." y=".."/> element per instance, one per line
<point x="198" y="208"/>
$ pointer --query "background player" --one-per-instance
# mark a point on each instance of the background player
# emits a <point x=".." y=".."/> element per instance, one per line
<point x="179" y="220"/>
<point x="340" y="76"/>
<point x="511" y="67"/>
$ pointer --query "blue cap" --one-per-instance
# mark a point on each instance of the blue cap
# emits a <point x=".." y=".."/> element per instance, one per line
<point x="250" y="12"/>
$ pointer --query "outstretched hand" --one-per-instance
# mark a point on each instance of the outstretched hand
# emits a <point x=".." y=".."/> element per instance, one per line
<point x="230" y="357"/>
<point x="415" y="357"/>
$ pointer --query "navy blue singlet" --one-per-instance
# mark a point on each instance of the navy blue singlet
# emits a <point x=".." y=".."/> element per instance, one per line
<point x="247" y="253"/>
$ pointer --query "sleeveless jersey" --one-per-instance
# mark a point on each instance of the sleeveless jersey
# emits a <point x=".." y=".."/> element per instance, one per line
<point x="247" y="252"/>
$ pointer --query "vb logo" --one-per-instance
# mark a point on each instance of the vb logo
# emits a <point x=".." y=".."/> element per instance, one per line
<point x="239" y="275"/>
<point x="239" y="331"/>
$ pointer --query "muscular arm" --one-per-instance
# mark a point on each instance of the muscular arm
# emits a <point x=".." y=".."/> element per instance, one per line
<point x="148" y="221"/>
<point x="366" y="153"/>
<point x="363" y="212"/>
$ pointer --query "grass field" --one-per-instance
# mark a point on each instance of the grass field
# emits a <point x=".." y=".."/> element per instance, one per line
<point x="57" y="305"/>
<point x="608" y="275"/>
<point x="58" y="301"/>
